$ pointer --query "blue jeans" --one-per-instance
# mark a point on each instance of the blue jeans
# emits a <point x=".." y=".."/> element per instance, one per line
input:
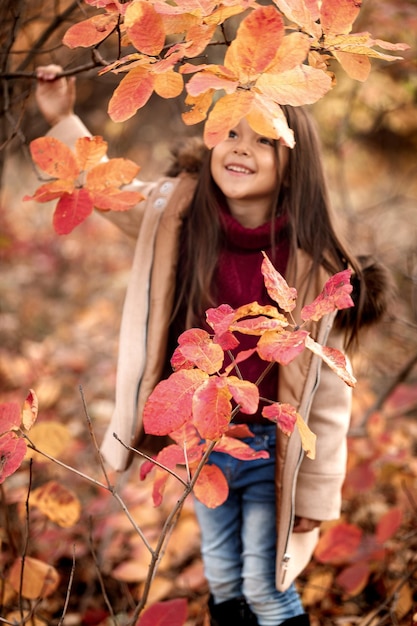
<point x="238" y="538"/>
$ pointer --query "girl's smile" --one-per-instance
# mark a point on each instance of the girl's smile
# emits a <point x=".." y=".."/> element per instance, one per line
<point x="245" y="168"/>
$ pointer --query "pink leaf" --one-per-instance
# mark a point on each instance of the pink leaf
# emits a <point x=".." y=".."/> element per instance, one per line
<point x="334" y="296"/>
<point x="12" y="453"/>
<point x="169" y="613"/>
<point x="284" y="415"/>
<point x="71" y="210"/>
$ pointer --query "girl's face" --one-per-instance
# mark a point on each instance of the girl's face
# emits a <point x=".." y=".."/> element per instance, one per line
<point x="245" y="168"/>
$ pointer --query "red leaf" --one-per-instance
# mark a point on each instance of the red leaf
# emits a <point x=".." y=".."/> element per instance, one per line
<point x="10" y="416"/>
<point x="12" y="453"/>
<point x="389" y="524"/>
<point x="334" y="296"/>
<point x="169" y="613"/>
<point x="338" y="544"/>
<point x="170" y="404"/>
<point x="245" y="394"/>
<point x="71" y="210"/>
<point x="196" y="347"/>
<point x="282" y="347"/>
<point x="353" y="579"/>
<point x="220" y="319"/>
<point x="211" y="487"/>
<point x="277" y="286"/>
<point x="212" y="408"/>
<point x="284" y="415"/>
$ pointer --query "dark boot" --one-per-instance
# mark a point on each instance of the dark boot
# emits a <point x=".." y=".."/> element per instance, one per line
<point x="234" y="612"/>
<point x="298" y="620"/>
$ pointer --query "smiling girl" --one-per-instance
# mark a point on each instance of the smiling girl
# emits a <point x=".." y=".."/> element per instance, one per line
<point x="200" y="234"/>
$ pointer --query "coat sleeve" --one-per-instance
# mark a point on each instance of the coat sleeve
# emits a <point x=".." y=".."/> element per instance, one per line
<point x="319" y="484"/>
<point x="68" y="131"/>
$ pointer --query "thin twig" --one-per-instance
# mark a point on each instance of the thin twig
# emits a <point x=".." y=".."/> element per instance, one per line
<point x="69" y="587"/>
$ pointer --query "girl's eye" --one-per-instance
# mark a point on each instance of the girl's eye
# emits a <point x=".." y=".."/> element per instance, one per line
<point x="266" y="141"/>
<point x="232" y="134"/>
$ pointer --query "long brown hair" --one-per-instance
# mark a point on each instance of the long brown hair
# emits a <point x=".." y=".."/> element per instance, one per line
<point x="302" y="195"/>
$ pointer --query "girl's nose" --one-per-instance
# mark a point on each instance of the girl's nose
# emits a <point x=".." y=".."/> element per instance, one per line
<point x="241" y="148"/>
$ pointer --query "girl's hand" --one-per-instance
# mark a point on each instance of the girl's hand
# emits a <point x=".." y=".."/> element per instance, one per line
<point x="55" y="96"/>
<point x="304" y="525"/>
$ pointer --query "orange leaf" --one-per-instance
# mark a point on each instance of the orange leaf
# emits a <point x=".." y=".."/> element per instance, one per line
<point x="267" y="118"/>
<point x="298" y="86"/>
<point x="112" y="173"/>
<point x="338" y="544"/>
<point x="389" y="524"/>
<point x="357" y="66"/>
<point x="58" y="503"/>
<point x="51" y="191"/>
<point x="145" y="28"/>
<point x="200" y="105"/>
<point x="30" y="410"/>
<point x="239" y="449"/>
<point x="353" y="579"/>
<point x="257" y="325"/>
<point x="282" y="346"/>
<point x="226" y="114"/>
<point x="284" y="415"/>
<point x="89" y="151"/>
<point x="71" y="210"/>
<point x="249" y="54"/>
<point x="216" y="77"/>
<point x="337" y="16"/>
<point x="39" y="579"/>
<point x="133" y="92"/>
<point x="169" y="613"/>
<point x="54" y="157"/>
<point x="212" y="408"/>
<point x="305" y="14"/>
<point x="293" y="51"/>
<point x="335" y="295"/>
<point x="12" y="453"/>
<point x="196" y="347"/>
<point x="168" y="84"/>
<point x="211" y="487"/>
<point x="115" y="200"/>
<point x="170" y="403"/>
<point x="91" y="31"/>
<point x="277" y="286"/>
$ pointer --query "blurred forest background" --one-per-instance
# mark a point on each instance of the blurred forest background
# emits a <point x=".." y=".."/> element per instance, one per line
<point x="60" y="306"/>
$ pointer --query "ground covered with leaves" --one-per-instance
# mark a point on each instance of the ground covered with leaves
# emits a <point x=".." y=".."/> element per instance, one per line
<point x="61" y="300"/>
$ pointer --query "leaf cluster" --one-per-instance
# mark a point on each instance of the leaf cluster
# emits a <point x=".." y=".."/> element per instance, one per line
<point x="280" y="54"/>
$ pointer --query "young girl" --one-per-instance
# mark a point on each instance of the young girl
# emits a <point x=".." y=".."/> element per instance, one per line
<point x="200" y="232"/>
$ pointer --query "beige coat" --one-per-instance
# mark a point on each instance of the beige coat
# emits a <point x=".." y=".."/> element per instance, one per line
<point x="305" y="488"/>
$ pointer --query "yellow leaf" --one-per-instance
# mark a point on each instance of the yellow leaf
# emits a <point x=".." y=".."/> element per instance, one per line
<point x="168" y="84"/>
<point x="58" y="503"/>
<point x="49" y="437"/>
<point x="308" y="438"/>
<point x="39" y="580"/>
<point x="226" y="114"/>
<point x="89" y="151"/>
<point x="317" y="587"/>
<point x="30" y="410"/>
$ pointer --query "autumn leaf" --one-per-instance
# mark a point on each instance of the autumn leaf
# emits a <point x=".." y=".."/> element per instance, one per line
<point x="12" y="452"/>
<point x="84" y="181"/>
<point x="333" y="358"/>
<point x="244" y="393"/>
<point x="211" y="486"/>
<point x="282" y="414"/>
<point x="337" y="16"/>
<point x="51" y="438"/>
<point x="301" y="13"/>
<point x="239" y="449"/>
<point x="30" y="410"/>
<point x="211" y="408"/>
<point x="169" y="613"/>
<point x="196" y="348"/>
<point x="277" y="287"/>
<point x="353" y="579"/>
<point x="144" y="27"/>
<point x="335" y="295"/>
<point x="10" y="416"/>
<point x="36" y="579"/>
<point x="338" y="544"/>
<point x="171" y="401"/>
<point x="58" y="503"/>
<point x="220" y="319"/>
<point x="388" y="524"/>
<point x="91" y="31"/>
<point x="308" y="438"/>
<point x="282" y="346"/>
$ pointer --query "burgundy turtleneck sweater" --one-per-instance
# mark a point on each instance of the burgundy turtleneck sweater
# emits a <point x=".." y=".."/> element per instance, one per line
<point x="238" y="280"/>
